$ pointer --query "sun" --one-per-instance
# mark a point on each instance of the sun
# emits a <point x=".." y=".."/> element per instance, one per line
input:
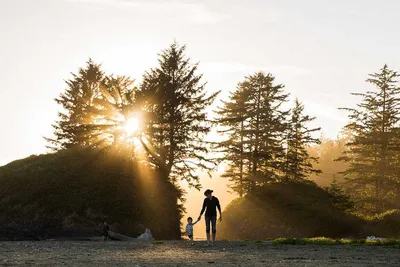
<point x="132" y="125"/>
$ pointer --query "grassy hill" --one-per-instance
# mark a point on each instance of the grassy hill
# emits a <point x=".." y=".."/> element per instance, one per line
<point x="299" y="209"/>
<point x="72" y="192"/>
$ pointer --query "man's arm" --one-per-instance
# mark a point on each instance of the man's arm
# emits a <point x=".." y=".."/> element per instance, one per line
<point x="202" y="210"/>
<point x="219" y="209"/>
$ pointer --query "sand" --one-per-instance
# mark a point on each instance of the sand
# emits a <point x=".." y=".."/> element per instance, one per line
<point x="178" y="253"/>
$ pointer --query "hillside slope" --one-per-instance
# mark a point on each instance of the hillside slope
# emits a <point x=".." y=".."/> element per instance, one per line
<point x="71" y="192"/>
<point x="291" y="209"/>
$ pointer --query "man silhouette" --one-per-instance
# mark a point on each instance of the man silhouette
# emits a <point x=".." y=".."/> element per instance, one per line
<point x="210" y="205"/>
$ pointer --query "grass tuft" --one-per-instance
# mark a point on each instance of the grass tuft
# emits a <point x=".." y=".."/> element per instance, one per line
<point x="322" y="241"/>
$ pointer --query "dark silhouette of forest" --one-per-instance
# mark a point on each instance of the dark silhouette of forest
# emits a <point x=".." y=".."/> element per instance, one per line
<point x="120" y="149"/>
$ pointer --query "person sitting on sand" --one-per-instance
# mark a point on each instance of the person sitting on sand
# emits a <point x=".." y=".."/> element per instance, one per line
<point x="211" y="203"/>
<point x="189" y="228"/>
<point x="106" y="228"/>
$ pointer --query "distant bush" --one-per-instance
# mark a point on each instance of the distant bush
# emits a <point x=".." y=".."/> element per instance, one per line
<point x="73" y="192"/>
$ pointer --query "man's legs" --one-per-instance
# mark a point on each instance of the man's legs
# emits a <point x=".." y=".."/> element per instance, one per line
<point x="208" y="221"/>
<point x="214" y="227"/>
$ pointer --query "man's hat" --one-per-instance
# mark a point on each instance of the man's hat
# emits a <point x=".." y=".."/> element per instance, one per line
<point x="208" y="191"/>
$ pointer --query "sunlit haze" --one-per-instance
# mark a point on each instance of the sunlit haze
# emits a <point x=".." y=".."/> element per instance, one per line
<point x="320" y="49"/>
<point x="132" y="125"/>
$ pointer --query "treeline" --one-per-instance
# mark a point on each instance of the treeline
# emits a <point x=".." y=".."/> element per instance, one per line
<point x="170" y="105"/>
<point x="364" y="159"/>
<point x="359" y="171"/>
<point x="96" y="108"/>
<point x="267" y="143"/>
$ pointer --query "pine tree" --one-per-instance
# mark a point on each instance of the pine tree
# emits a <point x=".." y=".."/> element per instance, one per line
<point x="253" y="121"/>
<point x="113" y="107"/>
<point x="395" y="173"/>
<point x="73" y="127"/>
<point x="374" y="173"/>
<point x="95" y="108"/>
<point x="176" y="101"/>
<point x="232" y="118"/>
<point x="299" y="164"/>
<point x="341" y="201"/>
<point x="266" y="125"/>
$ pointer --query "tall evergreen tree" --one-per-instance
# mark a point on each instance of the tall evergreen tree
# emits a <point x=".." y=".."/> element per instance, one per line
<point x="232" y="118"/>
<point x="254" y="122"/>
<point x="73" y="127"/>
<point x="267" y="122"/>
<point x="374" y="172"/>
<point x="114" y="106"/>
<point x="299" y="164"/>
<point x="176" y="100"/>
<point x="95" y="107"/>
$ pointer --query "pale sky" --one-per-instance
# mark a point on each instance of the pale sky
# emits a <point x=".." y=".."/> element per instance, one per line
<point x="320" y="49"/>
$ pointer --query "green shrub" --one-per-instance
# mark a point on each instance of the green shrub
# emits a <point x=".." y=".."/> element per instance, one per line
<point x="346" y="241"/>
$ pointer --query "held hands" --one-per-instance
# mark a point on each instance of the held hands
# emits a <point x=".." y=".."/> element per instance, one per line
<point x="198" y="219"/>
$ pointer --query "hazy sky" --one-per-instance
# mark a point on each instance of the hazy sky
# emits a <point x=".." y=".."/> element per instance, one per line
<point x="321" y="50"/>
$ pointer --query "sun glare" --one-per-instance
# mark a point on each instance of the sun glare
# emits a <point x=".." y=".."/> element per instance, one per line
<point x="132" y="126"/>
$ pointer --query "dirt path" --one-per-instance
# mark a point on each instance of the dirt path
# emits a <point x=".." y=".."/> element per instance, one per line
<point x="97" y="253"/>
